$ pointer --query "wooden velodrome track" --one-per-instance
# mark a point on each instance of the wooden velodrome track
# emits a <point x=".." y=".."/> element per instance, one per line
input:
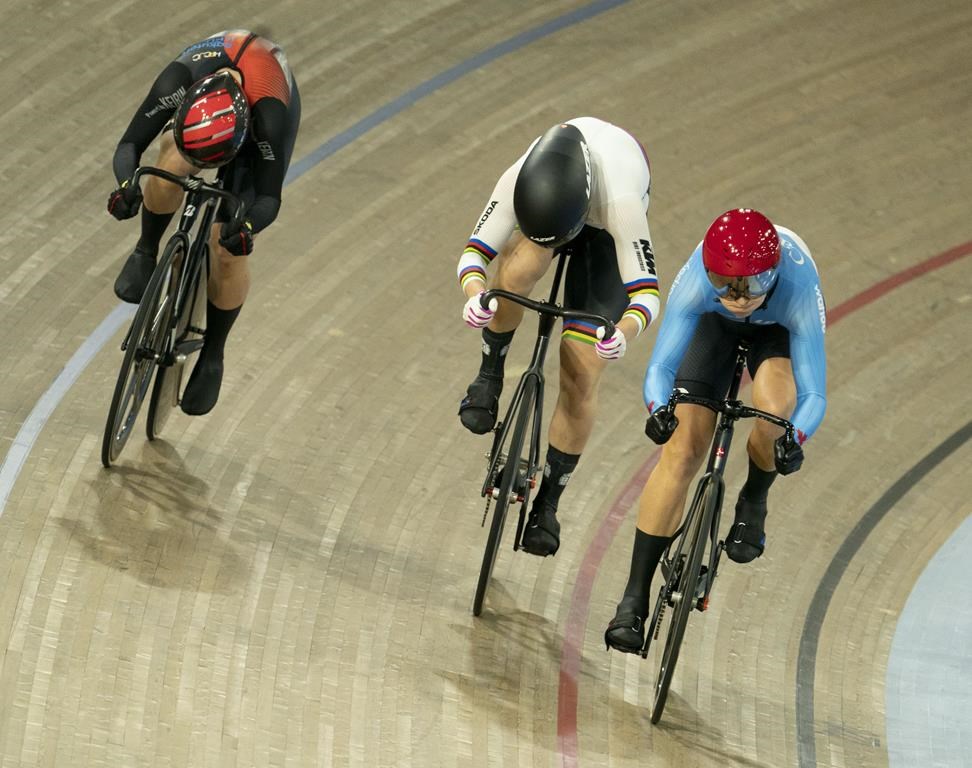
<point x="287" y="581"/>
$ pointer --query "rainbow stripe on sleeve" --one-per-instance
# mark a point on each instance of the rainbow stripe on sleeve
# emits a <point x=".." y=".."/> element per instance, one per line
<point x="480" y="248"/>
<point x="642" y="285"/>
<point x="472" y="272"/>
<point x="640" y="314"/>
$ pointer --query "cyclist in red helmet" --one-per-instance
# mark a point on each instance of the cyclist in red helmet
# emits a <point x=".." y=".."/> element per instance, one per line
<point x="229" y="100"/>
<point x="746" y="279"/>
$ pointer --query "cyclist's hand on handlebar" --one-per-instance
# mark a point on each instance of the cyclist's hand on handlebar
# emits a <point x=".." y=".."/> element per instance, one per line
<point x="239" y="242"/>
<point x="660" y="425"/>
<point x="788" y="455"/>
<point x="123" y="203"/>
<point x="612" y="348"/>
<point x="475" y="314"/>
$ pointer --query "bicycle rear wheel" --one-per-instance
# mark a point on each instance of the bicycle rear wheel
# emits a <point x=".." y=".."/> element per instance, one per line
<point x="145" y="342"/>
<point x="507" y="484"/>
<point x="695" y="535"/>
<point x="168" y="379"/>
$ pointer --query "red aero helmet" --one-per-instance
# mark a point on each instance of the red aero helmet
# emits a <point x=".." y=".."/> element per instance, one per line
<point x="740" y="243"/>
<point x="211" y="123"/>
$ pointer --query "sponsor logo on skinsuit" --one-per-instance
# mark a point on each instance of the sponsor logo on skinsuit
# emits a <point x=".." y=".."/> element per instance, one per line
<point x="266" y="151"/>
<point x="206" y="55"/>
<point x="821" y="309"/>
<point x="172" y="101"/>
<point x="482" y="219"/>
<point x="212" y="42"/>
<point x="678" y="277"/>
<point x="646" y="258"/>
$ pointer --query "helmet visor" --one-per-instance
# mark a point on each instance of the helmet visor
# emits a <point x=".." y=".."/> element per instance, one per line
<point x="742" y="287"/>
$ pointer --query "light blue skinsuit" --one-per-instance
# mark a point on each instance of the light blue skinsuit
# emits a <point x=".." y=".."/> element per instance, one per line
<point x="796" y="303"/>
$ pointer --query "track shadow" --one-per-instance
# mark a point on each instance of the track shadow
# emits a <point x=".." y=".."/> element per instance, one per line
<point x="156" y="520"/>
<point x="681" y="731"/>
<point x="507" y="649"/>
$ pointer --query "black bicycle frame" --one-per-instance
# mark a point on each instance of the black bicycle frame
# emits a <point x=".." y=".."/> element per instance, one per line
<point x="200" y="204"/>
<point x="730" y="410"/>
<point x="548" y="313"/>
<point x="534" y="370"/>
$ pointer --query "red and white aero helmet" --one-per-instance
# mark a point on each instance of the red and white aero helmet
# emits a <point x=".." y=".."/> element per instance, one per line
<point x="211" y="124"/>
<point x="742" y="243"/>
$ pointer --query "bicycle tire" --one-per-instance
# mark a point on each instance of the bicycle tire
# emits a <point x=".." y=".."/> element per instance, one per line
<point x="517" y="438"/>
<point x="147" y="332"/>
<point x="168" y="379"/>
<point x="697" y="534"/>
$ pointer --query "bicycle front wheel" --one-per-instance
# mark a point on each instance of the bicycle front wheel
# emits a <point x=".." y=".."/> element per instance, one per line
<point x="146" y="338"/>
<point x="700" y="518"/>
<point x="168" y="379"/>
<point x="506" y="490"/>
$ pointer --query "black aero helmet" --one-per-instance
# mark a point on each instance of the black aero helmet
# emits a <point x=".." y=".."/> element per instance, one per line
<point x="553" y="189"/>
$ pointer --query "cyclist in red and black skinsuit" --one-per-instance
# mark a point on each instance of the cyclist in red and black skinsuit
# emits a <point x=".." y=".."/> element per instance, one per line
<point x="255" y="173"/>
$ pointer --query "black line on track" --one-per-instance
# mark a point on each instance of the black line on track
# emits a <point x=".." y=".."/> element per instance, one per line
<point x="810" y="637"/>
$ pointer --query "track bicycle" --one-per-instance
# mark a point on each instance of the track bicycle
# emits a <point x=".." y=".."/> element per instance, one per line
<point x="689" y="580"/>
<point x="514" y="459"/>
<point x="168" y="324"/>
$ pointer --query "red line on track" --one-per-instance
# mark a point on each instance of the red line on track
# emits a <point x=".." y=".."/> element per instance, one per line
<point x="570" y="657"/>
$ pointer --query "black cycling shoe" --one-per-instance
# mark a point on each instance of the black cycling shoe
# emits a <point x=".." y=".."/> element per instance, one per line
<point x="479" y="407"/>
<point x="131" y="281"/>
<point x="626" y="631"/>
<point x="541" y="536"/>
<point x="747" y="539"/>
<point x="202" y="390"/>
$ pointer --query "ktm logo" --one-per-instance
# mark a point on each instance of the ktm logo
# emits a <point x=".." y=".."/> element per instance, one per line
<point x="646" y="258"/>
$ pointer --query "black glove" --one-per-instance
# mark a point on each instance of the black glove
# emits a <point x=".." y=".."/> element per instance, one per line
<point x="239" y="242"/>
<point x="660" y="425"/>
<point x="123" y="203"/>
<point x="788" y="455"/>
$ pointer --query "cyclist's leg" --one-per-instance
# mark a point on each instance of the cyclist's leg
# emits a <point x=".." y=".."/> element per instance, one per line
<point x="161" y="196"/>
<point x="519" y="266"/>
<point x="161" y="199"/>
<point x="591" y="284"/>
<point x="570" y="427"/>
<point x="774" y="390"/>
<point x="704" y="371"/>
<point x="228" y="285"/>
<point x="229" y="278"/>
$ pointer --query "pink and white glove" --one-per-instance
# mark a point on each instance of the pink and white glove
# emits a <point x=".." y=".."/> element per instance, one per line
<point x="613" y="348"/>
<point x="475" y="315"/>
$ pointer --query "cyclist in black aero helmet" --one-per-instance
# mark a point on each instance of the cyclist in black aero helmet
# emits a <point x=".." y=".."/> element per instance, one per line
<point x="584" y="182"/>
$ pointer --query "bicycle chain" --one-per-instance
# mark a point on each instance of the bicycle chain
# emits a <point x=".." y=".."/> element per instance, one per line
<point x="661" y="615"/>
